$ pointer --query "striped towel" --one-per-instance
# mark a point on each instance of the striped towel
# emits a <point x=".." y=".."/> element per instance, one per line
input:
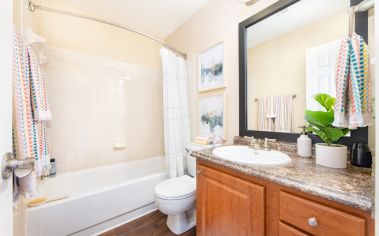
<point x="353" y="86"/>
<point x="29" y="99"/>
<point x="41" y="113"/>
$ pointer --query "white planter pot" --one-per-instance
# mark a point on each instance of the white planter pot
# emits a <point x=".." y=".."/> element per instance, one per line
<point x="334" y="156"/>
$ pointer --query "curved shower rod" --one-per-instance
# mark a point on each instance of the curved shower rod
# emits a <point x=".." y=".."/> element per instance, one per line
<point x="33" y="7"/>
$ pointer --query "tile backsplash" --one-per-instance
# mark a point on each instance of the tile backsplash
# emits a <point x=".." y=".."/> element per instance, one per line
<point x="104" y="111"/>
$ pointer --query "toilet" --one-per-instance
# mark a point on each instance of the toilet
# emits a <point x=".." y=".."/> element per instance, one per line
<point x="176" y="198"/>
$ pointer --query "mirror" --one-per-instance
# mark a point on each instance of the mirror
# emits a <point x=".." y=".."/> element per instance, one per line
<point x="282" y="69"/>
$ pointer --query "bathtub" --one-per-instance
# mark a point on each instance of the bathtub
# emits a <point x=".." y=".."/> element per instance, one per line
<point x="99" y="198"/>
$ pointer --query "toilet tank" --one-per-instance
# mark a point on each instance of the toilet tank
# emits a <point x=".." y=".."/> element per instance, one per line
<point x="191" y="164"/>
<point x="191" y="161"/>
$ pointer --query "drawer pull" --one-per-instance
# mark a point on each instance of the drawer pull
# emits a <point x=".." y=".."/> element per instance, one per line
<point x="199" y="172"/>
<point x="312" y="221"/>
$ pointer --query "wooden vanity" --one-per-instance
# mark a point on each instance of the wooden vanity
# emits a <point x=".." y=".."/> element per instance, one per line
<point x="233" y="203"/>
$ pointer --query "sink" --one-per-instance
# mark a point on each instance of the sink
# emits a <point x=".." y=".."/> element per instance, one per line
<point x="249" y="156"/>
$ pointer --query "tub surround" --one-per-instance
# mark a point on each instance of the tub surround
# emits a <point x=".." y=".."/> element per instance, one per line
<point x="350" y="186"/>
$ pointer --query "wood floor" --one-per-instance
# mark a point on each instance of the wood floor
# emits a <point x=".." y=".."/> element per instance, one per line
<point x="153" y="224"/>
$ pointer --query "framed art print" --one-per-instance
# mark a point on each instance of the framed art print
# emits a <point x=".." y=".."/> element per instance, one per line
<point x="212" y="115"/>
<point x="211" y="68"/>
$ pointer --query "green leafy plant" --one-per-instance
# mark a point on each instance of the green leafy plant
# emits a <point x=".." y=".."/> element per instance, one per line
<point x="320" y="122"/>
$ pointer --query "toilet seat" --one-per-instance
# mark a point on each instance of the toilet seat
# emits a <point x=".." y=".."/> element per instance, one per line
<point x="176" y="188"/>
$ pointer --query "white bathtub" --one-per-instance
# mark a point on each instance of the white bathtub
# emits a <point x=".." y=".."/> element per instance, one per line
<point x="99" y="198"/>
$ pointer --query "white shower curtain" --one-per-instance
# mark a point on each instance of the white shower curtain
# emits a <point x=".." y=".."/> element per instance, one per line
<point x="176" y="112"/>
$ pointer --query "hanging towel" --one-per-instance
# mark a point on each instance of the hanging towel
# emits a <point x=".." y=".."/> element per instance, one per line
<point x="284" y="111"/>
<point x="353" y="89"/>
<point x="275" y="113"/>
<point x="263" y="123"/>
<point x="23" y="125"/>
<point x="29" y="99"/>
<point x="41" y="113"/>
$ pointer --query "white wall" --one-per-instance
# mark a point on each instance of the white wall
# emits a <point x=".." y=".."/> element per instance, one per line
<point x="6" y="39"/>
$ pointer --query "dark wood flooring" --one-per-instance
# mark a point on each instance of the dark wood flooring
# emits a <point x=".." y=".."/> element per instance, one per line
<point x="153" y="224"/>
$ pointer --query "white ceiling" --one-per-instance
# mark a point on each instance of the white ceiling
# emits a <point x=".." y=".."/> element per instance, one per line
<point x="158" y="18"/>
<point x="293" y="17"/>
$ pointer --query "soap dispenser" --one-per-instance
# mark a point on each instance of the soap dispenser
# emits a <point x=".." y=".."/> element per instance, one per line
<point x="304" y="144"/>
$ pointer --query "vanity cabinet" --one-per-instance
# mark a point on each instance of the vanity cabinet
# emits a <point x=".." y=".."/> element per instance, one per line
<point x="231" y="203"/>
<point x="227" y="205"/>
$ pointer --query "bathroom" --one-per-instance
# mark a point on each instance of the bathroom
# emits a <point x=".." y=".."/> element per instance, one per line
<point x="196" y="117"/>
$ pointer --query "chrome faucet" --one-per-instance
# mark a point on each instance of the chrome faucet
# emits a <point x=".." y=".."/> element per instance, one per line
<point x="266" y="145"/>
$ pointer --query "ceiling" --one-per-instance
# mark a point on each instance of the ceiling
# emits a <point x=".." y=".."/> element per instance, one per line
<point x="293" y="17"/>
<point x="158" y="18"/>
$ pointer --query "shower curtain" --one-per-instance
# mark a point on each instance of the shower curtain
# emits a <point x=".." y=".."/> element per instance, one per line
<point x="176" y="112"/>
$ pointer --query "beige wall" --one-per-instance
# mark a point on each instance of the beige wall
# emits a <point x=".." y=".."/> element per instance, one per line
<point x="87" y="36"/>
<point x="277" y="67"/>
<point x="216" y="22"/>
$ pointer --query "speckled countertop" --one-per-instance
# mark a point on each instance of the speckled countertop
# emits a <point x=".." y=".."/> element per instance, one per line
<point x="350" y="186"/>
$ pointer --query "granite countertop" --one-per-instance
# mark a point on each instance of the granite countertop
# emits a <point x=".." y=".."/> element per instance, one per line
<point x="350" y="186"/>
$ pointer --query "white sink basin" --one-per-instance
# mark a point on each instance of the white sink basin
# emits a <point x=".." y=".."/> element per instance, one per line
<point x="246" y="155"/>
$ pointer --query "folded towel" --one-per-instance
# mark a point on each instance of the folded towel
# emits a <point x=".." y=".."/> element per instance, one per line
<point x="203" y="140"/>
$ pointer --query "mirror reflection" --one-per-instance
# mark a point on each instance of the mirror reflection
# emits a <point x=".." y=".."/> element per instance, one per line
<point x="287" y="66"/>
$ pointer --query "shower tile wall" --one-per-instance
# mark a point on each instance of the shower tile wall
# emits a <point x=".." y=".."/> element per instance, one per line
<point x="97" y="103"/>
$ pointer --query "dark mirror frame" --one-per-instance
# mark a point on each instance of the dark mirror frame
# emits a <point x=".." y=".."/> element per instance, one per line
<point x="361" y="27"/>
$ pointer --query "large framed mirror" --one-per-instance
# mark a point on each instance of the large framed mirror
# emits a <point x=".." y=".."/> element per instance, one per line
<point x="280" y="70"/>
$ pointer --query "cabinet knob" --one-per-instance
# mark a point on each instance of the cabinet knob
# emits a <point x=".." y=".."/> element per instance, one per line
<point x="312" y="221"/>
<point x="199" y="172"/>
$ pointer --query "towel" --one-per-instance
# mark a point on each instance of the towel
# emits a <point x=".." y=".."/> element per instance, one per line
<point x="30" y="113"/>
<point x="203" y="140"/>
<point x="275" y="113"/>
<point x="284" y="111"/>
<point x="353" y="107"/>
<point x="41" y="113"/>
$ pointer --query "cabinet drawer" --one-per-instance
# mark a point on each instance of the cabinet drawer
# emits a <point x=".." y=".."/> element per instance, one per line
<point x="286" y="230"/>
<point x="318" y="219"/>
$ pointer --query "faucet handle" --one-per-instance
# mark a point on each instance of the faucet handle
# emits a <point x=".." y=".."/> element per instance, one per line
<point x="267" y="140"/>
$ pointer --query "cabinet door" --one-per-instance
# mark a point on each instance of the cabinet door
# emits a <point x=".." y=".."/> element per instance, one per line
<point x="227" y="205"/>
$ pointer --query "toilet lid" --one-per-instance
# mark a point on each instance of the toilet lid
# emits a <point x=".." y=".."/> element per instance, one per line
<point x="176" y="187"/>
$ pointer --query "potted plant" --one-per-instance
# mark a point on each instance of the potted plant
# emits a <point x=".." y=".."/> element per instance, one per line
<point x="320" y="123"/>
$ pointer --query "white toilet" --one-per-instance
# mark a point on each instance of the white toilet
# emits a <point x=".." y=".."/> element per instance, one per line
<point x="176" y="198"/>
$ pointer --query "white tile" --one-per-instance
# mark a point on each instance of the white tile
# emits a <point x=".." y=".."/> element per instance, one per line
<point x="92" y="104"/>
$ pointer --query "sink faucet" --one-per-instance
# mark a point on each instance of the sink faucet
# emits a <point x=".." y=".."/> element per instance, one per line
<point x="266" y="145"/>
<point x="254" y="143"/>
